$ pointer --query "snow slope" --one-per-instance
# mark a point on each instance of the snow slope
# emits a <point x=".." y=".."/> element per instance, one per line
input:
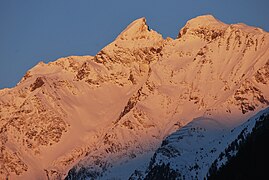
<point x="200" y="147"/>
<point x="92" y="115"/>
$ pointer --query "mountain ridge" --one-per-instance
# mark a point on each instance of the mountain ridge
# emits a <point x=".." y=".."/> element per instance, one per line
<point x="201" y="156"/>
<point x="91" y="112"/>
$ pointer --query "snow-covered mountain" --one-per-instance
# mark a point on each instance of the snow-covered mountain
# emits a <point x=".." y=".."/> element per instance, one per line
<point x="104" y="116"/>
<point x="199" y="149"/>
<point x="247" y="156"/>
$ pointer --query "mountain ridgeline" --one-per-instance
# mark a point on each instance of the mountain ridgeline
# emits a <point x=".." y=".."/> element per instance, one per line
<point x="144" y="107"/>
<point x="252" y="157"/>
<point x="243" y="154"/>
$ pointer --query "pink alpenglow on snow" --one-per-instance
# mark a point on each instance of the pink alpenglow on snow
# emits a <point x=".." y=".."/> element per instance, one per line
<point x="93" y="116"/>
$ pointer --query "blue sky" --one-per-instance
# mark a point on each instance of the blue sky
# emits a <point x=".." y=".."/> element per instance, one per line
<point x="39" y="30"/>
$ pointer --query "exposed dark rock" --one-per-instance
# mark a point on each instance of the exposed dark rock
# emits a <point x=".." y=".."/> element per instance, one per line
<point x="247" y="97"/>
<point x="37" y="84"/>
<point x="162" y="172"/>
<point x="262" y="75"/>
<point x="130" y="104"/>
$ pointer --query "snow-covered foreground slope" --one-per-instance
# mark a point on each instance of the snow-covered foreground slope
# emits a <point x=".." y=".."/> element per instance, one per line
<point x="90" y="116"/>
<point x="198" y="149"/>
<point x="246" y="157"/>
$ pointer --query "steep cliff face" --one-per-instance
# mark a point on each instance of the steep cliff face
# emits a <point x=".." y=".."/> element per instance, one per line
<point x="94" y="115"/>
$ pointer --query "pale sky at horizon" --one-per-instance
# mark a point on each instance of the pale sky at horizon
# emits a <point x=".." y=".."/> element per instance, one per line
<point x="36" y="30"/>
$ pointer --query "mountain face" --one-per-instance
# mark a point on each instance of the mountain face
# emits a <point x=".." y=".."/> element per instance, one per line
<point x="251" y="153"/>
<point x="200" y="150"/>
<point x="104" y="116"/>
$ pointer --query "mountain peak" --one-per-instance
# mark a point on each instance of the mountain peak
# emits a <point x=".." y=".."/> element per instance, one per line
<point x="204" y="21"/>
<point x="136" y="28"/>
<point x="138" y="25"/>
<point x="128" y="98"/>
